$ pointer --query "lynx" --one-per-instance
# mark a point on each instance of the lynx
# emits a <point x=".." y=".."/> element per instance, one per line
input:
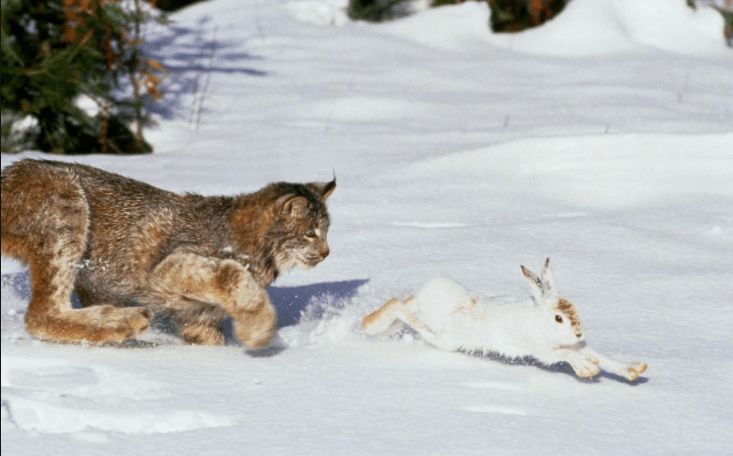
<point x="128" y="249"/>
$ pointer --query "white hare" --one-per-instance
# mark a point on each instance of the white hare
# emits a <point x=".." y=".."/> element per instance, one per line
<point x="545" y="327"/>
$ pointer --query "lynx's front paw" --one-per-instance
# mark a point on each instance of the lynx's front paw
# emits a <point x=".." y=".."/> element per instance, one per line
<point x="255" y="329"/>
<point x="125" y="323"/>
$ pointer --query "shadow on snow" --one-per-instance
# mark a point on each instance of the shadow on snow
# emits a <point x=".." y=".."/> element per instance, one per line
<point x="562" y="368"/>
<point x="189" y="66"/>
<point x="290" y="302"/>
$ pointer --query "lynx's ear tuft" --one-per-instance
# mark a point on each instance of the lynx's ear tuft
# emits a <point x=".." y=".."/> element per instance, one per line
<point x="323" y="189"/>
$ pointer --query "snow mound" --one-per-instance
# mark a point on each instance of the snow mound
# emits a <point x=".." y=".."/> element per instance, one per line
<point x="51" y="395"/>
<point x="607" y="171"/>
<point x="585" y="27"/>
<point x="320" y="12"/>
<point x="588" y="27"/>
<point x="363" y="109"/>
<point x="463" y="26"/>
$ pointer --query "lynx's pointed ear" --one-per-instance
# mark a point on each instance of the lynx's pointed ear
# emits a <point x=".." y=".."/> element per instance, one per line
<point x="294" y="206"/>
<point x="323" y="189"/>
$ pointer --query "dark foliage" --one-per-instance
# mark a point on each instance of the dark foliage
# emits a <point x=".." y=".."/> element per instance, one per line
<point x="174" y="5"/>
<point x="57" y="50"/>
<point x="376" y="10"/>
<point x="518" y="15"/>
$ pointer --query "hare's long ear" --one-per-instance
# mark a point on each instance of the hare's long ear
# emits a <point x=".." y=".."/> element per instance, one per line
<point x="534" y="283"/>
<point x="549" y="289"/>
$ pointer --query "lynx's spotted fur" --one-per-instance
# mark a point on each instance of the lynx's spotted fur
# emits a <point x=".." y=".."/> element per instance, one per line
<point x="127" y="248"/>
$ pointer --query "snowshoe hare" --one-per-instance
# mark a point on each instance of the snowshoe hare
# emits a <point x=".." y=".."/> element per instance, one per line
<point x="546" y="327"/>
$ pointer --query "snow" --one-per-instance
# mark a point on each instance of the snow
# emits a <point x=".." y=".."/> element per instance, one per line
<point x="602" y="139"/>
<point x="593" y="27"/>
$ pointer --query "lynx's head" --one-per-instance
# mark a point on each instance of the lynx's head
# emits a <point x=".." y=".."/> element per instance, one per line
<point x="279" y="227"/>
<point x="298" y="234"/>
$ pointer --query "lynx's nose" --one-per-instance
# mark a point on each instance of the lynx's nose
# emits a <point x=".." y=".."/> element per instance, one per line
<point x="316" y="257"/>
<point x="324" y="252"/>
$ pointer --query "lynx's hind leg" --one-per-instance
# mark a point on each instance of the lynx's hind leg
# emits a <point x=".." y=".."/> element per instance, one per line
<point x="199" y="323"/>
<point x="45" y="219"/>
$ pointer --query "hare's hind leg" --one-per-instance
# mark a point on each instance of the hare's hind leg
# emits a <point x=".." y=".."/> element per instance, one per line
<point x="384" y="320"/>
<point x="390" y="317"/>
<point x="394" y="314"/>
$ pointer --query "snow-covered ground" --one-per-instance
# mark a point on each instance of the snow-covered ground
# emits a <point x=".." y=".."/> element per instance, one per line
<point x="602" y="140"/>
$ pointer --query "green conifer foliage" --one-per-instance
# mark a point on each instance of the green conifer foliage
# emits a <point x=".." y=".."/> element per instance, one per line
<point x="55" y="51"/>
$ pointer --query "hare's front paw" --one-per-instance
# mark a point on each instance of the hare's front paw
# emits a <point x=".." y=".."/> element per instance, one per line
<point x="585" y="367"/>
<point x="634" y="370"/>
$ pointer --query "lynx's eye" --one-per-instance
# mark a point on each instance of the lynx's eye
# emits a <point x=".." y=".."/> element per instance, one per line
<point x="558" y="318"/>
<point x="310" y="236"/>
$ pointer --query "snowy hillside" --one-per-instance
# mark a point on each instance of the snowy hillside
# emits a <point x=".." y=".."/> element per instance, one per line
<point x="603" y="140"/>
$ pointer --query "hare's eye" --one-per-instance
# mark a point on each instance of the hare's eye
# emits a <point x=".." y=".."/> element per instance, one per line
<point x="558" y="318"/>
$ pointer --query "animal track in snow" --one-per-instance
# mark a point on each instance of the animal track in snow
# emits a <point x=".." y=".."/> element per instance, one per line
<point x="51" y="396"/>
<point x="493" y="385"/>
<point x="495" y="409"/>
<point x="430" y="225"/>
<point x="502" y="387"/>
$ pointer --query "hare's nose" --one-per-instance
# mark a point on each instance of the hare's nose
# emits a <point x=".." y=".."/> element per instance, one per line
<point x="578" y="335"/>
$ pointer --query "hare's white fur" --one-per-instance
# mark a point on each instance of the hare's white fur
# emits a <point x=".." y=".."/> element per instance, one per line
<point x="545" y="326"/>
